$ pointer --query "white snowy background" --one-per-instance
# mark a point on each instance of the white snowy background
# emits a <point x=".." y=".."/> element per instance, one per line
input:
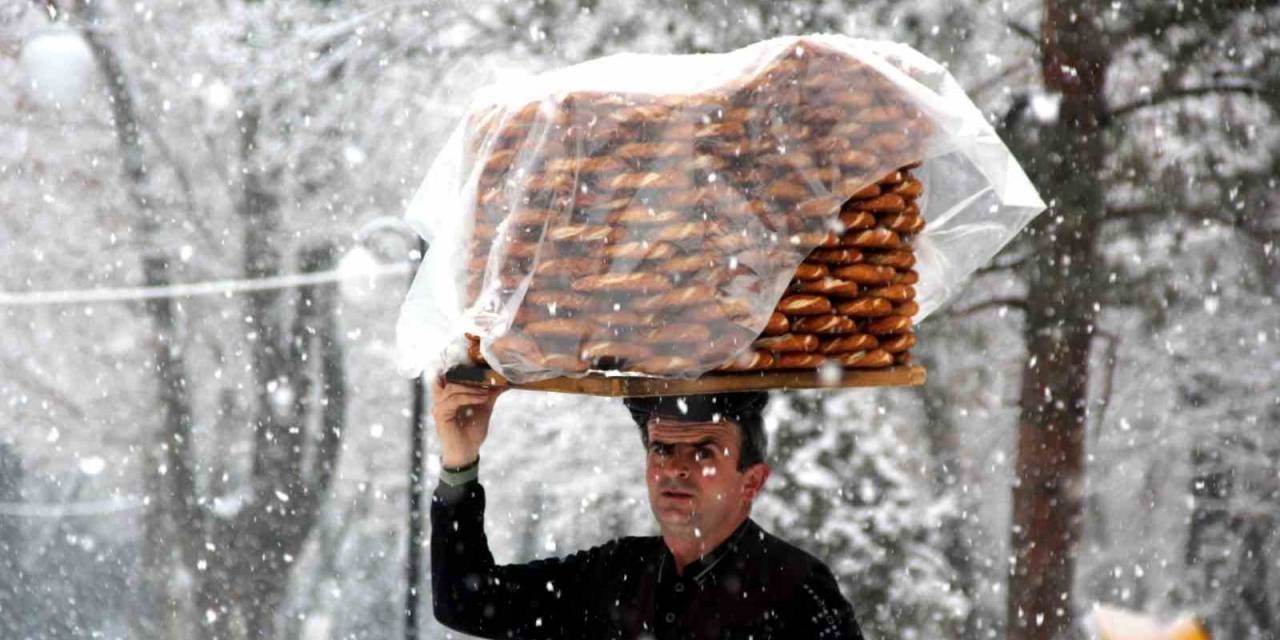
<point x="198" y="468"/>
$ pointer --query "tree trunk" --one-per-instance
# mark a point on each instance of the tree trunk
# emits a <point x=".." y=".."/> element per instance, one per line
<point x="168" y="479"/>
<point x="212" y="597"/>
<point x="296" y="438"/>
<point x="1060" y="317"/>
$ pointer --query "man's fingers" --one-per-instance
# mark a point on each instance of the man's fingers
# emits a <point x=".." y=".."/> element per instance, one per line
<point x="466" y="401"/>
<point x="462" y="403"/>
<point x="463" y="393"/>
<point x="459" y="390"/>
<point x="458" y="386"/>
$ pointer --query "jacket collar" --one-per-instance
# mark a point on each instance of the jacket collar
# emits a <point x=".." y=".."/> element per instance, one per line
<point x="699" y="569"/>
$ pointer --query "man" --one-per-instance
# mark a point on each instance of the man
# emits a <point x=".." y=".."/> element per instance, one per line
<point x="713" y="572"/>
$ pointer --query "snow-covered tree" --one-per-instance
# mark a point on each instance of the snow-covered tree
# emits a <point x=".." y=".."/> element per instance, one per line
<point x="849" y="486"/>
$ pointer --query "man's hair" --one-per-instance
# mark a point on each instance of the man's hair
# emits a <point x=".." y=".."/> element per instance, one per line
<point x="744" y="409"/>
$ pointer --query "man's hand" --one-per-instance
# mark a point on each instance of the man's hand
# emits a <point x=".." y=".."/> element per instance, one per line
<point x="461" y="413"/>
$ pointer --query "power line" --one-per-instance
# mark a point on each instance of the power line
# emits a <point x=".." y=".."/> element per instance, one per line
<point x="215" y="287"/>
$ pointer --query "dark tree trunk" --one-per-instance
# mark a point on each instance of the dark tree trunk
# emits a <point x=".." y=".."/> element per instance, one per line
<point x="168" y="479"/>
<point x="296" y="437"/>
<point x="1058" y="332"/>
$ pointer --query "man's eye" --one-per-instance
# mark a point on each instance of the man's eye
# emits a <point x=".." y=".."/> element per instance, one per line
<point x="705" y="453"/>
<point x="660" y="449"/>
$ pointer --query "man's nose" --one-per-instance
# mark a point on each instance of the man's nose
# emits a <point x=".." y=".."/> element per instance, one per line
<point x="678" y="464"/>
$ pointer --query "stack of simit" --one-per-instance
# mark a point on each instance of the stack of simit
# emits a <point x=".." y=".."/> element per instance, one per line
<point x="654" y="233"/>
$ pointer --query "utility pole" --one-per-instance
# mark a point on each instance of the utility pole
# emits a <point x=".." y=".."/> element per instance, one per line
<point x="417" y="428"/>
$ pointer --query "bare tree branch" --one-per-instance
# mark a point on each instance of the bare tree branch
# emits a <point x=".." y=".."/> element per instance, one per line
<point x="198" y="220"/>
<point x="1015" y="303"/>
<point x="1001" y="267"/>
<point x="1131" y="212"/>
<point x="1028" y="34"/>
<point x="999" y="78"/>
<point x="24" y="377"/>
<point x="1017" y="108"/>
<point x="1177" y="94"/>
<point x="1217" y="214"/>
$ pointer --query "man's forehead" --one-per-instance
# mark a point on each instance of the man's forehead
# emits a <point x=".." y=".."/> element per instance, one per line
<point x="667" y="428"/>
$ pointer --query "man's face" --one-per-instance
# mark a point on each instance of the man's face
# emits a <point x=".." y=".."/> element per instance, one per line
<point x="695" y="488"/>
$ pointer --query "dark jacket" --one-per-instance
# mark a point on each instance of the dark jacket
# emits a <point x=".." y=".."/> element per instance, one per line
<point x="751" y="586"/>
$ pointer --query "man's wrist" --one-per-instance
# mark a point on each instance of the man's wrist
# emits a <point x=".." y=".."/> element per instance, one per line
<point x="455" y="476"/>
<point x="454" y="462"/>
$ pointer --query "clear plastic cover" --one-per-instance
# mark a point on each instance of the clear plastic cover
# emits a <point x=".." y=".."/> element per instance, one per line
<point x="644" y="214"/>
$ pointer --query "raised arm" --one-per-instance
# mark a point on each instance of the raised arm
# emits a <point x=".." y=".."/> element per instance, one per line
<point x="470" y="593"/>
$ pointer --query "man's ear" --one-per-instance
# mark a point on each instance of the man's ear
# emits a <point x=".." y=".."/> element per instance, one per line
<point x="753" y="479"/>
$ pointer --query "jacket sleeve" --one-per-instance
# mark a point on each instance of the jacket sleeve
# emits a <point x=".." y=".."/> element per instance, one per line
<point x="472" y="594"/>
<point x="818" y="610"/>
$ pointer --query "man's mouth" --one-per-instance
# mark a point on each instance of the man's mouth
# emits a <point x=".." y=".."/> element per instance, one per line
<point x="676" y="493"/>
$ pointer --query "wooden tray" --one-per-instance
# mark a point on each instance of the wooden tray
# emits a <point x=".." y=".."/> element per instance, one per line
<point x="599" y="385"/>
